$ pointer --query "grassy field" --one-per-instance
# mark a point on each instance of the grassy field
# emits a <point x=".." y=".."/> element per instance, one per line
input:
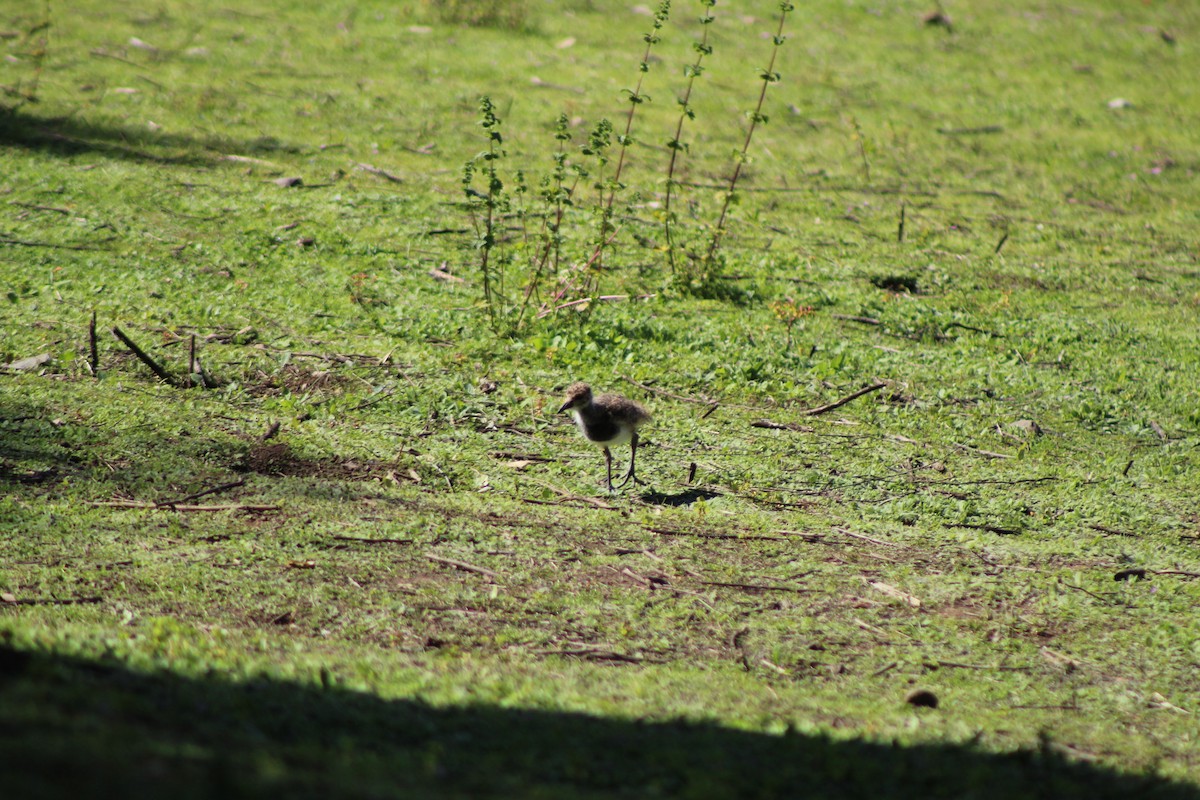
<point x="367" y="558"/>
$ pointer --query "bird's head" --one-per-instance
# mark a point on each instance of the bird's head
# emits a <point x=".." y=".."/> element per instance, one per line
<point x="578" y="396"/>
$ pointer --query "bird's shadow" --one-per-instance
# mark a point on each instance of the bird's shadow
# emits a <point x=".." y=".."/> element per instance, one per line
<point x="677" y="499"/>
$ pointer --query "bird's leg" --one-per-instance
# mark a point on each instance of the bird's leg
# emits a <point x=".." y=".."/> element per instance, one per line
<point x="632" y="462"/>
<point x="608" y="464"/>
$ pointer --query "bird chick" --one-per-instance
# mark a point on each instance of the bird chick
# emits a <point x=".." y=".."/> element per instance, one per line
<point x="607" y="420"/>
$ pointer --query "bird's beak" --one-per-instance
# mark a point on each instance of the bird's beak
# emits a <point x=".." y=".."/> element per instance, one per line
<point x="564" y="407"/>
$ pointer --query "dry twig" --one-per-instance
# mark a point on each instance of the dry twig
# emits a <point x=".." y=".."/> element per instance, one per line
<point x="839" y="403"/>
<point x="463" y="565"/>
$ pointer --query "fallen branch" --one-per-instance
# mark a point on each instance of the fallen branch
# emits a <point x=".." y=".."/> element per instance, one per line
<point x="93" y="350"/>
<point x="381" y="173"/>
<point x="812" y="412"/>
<point x="27" y="243"/>
<point x="1113" y="531"/>
<point x="892" y="591"/>
<point x="956" y="665"/>
<point x="699" y="535"/>
<point x="993" y="334"/>
<point x="664" y="393"/>
<point x="771" y="665"/>
<point x="145" y="359"/>
<point x="177" y="506"/>
<point x="988" y="528"/>
<point x="781" y="426"/>
<point x="13" y="600"/>
<point x="863" y="320"/>
<point x="593" y="654"/>
<point x="35" y="207"/>
<point x="565" y="495"/>
<point x="360" y="540"/>
<point x="971" y="131"/>
<point x="756" y="587"/>
<point x="966" y="448"/>
<point x="214" y="490"/>
<point x="270" y="432"/>
<point x="1180" y="572"/>
<point x="608" y="298"/>
<point x="865" y="538"/>
<point x="464" y="566"/>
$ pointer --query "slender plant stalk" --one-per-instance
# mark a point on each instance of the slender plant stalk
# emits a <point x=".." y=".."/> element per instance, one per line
<point x="491" y="200"/>
<point x="636" y="98"/>
<point x="598" y="144"/>
<point x="41" y="48"/>
<point x="693" y="71"/>
<point x="769" y="76"/>
<point x="557" y="194"/>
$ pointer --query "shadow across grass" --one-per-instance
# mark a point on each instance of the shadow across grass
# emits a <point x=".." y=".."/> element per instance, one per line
<point x="29" y="452"/>
<point x="70" y="726"/>
<point x="74" y="135"/>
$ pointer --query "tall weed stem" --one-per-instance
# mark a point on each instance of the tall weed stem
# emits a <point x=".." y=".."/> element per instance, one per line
<point x="676" y="146"/>
<point x="769" y="76"/>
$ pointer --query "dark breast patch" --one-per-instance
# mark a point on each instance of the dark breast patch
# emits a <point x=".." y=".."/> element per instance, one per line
<point x="599" y="427"/>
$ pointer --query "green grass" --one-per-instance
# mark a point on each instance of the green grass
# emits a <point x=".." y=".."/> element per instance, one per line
<point x="750" y="620"/>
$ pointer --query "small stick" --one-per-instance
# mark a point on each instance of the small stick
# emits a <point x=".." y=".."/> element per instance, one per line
<point x="972" y="328"/>
<point x="701" y="535"/>
<point x="271" y="430"/>
<point x="35" y="207"/>
<point x="360" y="540"/>
<point x="462" y="565"/>
<point x="177" y="507"/>
<point x="997" y="668"/>
<point x="987" y="453"/>
<point x="31" y="601"/>
<point x="988" y="528"/>
<point x="863" y="320"/>
<point x="664" y="393"/>
<point x="865" y="538"/>
<point x="892" y="591"/>
<point x="1000" y="244"/>
<point x="381" y="173"/>
<point x="900" y="227"/>
<point x="145" y="359"/>
<point x="1085" y="591"/>
<point x="192" y="356"/>
<point x="771" y="665"/>
<point x="1113" y="531"/>
<point x="964" y="131"/>
<point x="222" y="488"/>
<point x="93" y="350"/>
<point x="781" y="426"/>
<point x="839" y="403"/>
<point x="756" y="587"/>
<point x="594" y="654"/>
<point x="565" y="495"/>
<point x="27" y="243"/>
<point x="642" y="580"/>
